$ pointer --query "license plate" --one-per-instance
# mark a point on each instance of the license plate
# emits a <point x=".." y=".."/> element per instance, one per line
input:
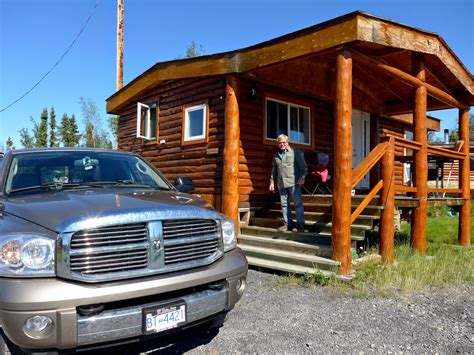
<point x="160" y="318"/>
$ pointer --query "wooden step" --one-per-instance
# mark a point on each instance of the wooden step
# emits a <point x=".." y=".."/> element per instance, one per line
<point x="373" y="210"/>
<point x="301" y="237"/>
<point x="357" y="231"/>
<point x="357" y="199"/>
<point x="297" y="259"/>
<point x="319" y="217"/>
<point x="285" y="267"/>
<point x="322" y="250"/>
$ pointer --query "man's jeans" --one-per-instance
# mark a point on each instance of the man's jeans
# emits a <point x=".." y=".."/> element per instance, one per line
<point x="295" y="193"/>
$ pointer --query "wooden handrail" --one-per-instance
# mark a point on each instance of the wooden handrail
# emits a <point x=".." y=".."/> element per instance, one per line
<point x="445" y="152"/>
<point x="449" y="191"/>
<point x="366" y="201"/>
<point x="368" y="162"/>
<point x="405" y="143"/>
<point x="405" y="188"/>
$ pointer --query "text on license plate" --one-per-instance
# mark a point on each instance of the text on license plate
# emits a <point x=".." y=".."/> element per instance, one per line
<point x="164" y="318"/>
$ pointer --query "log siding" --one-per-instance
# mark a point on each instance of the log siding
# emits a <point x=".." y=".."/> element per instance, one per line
<point x="201" y="161"/>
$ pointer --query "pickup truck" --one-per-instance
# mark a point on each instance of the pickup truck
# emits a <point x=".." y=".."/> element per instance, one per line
<point x="98" y="248"/>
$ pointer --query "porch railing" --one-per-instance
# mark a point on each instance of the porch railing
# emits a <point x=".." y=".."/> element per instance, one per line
<point x="384" y="151"/>
<point x="415" y="146"/>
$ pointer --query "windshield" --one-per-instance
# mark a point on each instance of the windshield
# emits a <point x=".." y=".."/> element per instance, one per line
<point x="80" y="169"/>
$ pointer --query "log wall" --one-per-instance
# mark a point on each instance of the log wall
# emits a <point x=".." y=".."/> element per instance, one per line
<point x="255" y="159"/>
<point x="202" y="161"/>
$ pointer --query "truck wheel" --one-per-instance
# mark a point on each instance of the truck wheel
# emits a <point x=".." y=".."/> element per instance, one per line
<point x="8" y="348"/>
<point x="218" y="322"/>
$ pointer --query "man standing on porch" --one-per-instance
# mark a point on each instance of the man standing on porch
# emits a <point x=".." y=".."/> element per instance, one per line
<point x="289" y="170"/>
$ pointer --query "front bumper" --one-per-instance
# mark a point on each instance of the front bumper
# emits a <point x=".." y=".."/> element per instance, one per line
<point x="207" y="291"/>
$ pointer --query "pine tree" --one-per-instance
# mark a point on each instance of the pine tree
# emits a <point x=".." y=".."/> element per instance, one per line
<point x="26" y="139"/>
<point x="68" y="131"/>
<point x="53" y="140"/>
<point x="193" y="51"/>
<point x="10" y="143"/>
<point x="42" y="130"/>
<point x="75" y="136"/>
<point x="113" y="126"/>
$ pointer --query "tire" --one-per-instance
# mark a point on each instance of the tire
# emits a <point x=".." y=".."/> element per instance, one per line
<point x="8" y="348"/>
<point x="218" y="321"/>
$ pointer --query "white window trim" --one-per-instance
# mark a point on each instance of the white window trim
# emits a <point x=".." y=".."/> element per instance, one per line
<point x="289" y="105"/>
<point x="202" y="107"/>
<point x="147" y="121"/>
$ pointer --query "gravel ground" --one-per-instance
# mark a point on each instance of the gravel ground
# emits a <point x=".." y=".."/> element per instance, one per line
<point x="293" y="319"/>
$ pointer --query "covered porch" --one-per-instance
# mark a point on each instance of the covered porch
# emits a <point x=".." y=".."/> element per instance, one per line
<point x="360" y="62"/>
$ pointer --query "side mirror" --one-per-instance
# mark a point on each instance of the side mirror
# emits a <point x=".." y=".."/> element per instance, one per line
<point x="184" y="184"/>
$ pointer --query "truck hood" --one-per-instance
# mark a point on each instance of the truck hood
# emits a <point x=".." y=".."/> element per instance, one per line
<point x="71" y="210"/>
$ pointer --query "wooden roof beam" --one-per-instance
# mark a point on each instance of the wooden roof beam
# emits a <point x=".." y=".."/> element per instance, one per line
<point x="438" y="81"/>
<point x="380" y="82"/>
<point x="407" y="78"/>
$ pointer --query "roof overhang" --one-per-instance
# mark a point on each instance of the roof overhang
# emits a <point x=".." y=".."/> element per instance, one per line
<point x="432" y="123"/>
<point x="353" y="27"/>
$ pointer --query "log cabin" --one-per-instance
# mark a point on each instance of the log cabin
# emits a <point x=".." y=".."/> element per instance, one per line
<point x="351" y="87"/>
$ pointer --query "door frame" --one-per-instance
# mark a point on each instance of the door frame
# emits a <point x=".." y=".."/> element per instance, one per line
<point x="360" y="143"/>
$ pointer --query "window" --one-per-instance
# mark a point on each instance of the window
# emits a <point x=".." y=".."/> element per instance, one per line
<point x="290" y="119"/>
<point x="195" y="123"/>
<point x="147" y="121"/>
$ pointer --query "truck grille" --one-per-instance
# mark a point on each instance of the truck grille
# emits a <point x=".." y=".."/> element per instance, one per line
<point x="189" y="239"/>
<point x="132" y="250"/>
<point x="110" y="249"/>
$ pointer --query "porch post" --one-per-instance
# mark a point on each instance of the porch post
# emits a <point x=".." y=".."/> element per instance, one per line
<point x="341" y="200"/>
<point x="387" y="195"/>
<point x="464" y="232"/>
<point x="230" y="183"/>
<point x="419" y="214"/>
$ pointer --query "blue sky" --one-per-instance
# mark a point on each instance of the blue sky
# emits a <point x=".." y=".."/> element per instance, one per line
<point x="34" y="34"/>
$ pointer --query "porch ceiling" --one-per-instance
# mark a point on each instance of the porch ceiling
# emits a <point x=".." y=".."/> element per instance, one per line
<point x="311" y="51"/>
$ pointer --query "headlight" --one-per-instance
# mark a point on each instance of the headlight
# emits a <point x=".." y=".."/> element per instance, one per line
<point x="26" y="255"/>
<point x="228" y="233"/>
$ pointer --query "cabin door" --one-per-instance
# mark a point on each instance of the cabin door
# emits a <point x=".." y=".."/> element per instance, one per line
<point x="360" y="142"/>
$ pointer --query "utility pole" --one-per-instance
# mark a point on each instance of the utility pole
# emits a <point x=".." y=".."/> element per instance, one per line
<point x="119" y="44"/>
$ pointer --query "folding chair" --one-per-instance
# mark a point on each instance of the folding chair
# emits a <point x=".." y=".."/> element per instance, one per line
<point x="318" y="176"/>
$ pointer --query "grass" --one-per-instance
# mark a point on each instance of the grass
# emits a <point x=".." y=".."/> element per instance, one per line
<point x="446" y="264"/>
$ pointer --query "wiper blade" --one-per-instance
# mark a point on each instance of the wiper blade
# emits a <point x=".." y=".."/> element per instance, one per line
<point x="45" y="187"/>
<point x="130" y="183"/>
<point x="116" y="183"/>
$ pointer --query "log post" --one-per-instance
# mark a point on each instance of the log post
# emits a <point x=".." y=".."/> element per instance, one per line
<point x="119" y="44"/>
<point x="341" y="200"/>
<point x="419" y="214"/>
<point x="464" y="232"/>
<point x="230" y="183"/>
<point x="387" y="198"/>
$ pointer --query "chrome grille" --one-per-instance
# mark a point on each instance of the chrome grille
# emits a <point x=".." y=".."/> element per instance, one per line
<point x="109" y="249"/>
<point x="190" y="240"/>
<point x="130" y="250"/>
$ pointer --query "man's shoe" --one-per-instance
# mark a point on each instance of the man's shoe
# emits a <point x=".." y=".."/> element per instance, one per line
<point x="300" y="229"/>
<point x="285" y="228"/>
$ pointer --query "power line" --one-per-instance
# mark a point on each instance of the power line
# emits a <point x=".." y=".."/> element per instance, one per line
<point x="57" y="62"/>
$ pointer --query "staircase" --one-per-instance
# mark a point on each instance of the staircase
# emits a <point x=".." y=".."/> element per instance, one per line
<point x="301" y="252"/>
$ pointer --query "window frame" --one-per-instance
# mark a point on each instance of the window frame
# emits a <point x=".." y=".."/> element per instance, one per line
<point x="148" y="121"/>
<point x="203" y="138"/>
<point x="290" y="102"/>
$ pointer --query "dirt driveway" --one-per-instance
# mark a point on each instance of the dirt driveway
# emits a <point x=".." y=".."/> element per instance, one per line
<point x="291" y="319"/>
